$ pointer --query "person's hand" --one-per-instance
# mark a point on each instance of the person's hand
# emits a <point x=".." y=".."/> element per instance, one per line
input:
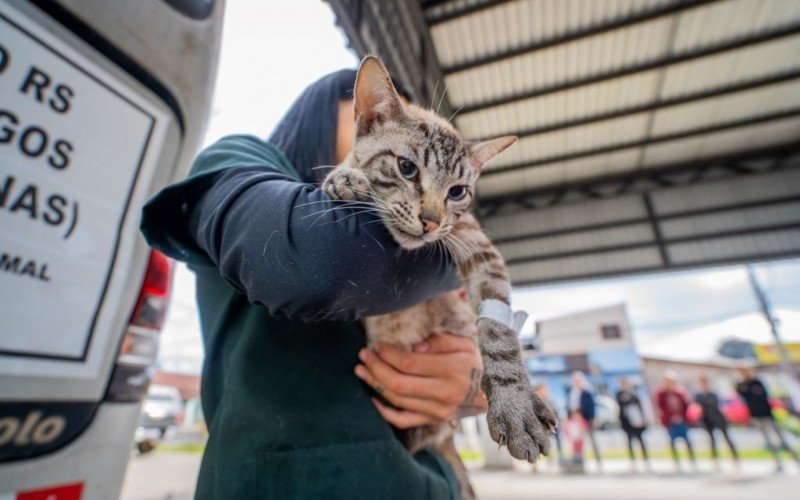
<point x="438" y="382"/>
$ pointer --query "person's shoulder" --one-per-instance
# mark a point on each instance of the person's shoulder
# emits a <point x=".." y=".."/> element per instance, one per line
<point x="241" y="150"/>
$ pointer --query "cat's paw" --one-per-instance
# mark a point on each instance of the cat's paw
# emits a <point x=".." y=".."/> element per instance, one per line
<point x="519" y="420"/>
<point x="346" y="183"/>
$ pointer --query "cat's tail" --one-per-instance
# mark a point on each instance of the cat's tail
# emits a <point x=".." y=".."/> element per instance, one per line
<point x="447" y="449"/>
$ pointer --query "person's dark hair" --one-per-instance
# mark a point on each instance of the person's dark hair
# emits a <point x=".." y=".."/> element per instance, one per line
<point x="307" y="132"/>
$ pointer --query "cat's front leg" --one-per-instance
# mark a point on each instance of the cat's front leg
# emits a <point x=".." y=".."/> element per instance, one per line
<point x="518" y="418"/>
<point x="347" y="183"/>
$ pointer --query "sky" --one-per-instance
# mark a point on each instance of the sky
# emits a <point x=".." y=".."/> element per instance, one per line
<point x="271" y="50"/>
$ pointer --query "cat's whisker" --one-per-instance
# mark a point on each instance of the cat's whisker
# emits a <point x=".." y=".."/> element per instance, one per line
<point x="365" y="211"/>
<point x="322" y="213"/>
<point x="369" y="194"/>
<point x="373" y="238"/>
<point x="470" y="245"/>
<point x="465" y="250"/>
<point x="454" y="114"/>
<point x="441" y="99"/>
<point x="341" y="206"/>
<point x="370" y="222"/>
<point x="338" y="203"/>
<point x="433" y="97"/>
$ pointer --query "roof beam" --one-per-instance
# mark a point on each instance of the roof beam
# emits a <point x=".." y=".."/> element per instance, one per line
<point x="465" y="10"/>
<point x="668" y="60"/>
<point x="768" y="256"/>
<point x="664" y="103"/>
<point x="683" y="134"/>
<point x="394" y="30"/>
<point x="700" y="168"/>
<point x="728" y="233"/>
<point x="638" y="18"/>
<point x="727" y="207"/>
<point x="656" y="227"/>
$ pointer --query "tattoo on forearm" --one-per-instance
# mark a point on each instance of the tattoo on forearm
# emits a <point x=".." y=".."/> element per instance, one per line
<point x="475" y="375"/>
<point x="467" y="407"/>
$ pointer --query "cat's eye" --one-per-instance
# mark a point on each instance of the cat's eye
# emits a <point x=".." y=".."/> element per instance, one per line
<point x="457" y="193"/>
<point x="407" y="168"/>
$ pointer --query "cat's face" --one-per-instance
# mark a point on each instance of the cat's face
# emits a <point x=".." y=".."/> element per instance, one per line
<point x="422" y="173"/>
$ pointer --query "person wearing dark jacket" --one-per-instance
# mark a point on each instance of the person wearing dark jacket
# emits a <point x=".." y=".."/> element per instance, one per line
<point x="756" y="398"/>
<point x="283" y="276"/>
<point x="581" y="399"/>
<point x="631" y="419"/>
<point x="713" y="419"/>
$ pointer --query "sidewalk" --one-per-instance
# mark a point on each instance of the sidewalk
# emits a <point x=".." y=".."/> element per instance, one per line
<point x="756" y="480"/>
<point x="172" y="475"/>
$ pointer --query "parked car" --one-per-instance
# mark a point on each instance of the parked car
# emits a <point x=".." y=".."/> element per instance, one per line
<point x="606" y="412"/>
<point x="161" y="409"/>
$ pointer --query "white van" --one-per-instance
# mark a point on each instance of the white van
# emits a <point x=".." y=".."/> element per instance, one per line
<point x="102" y="103"/>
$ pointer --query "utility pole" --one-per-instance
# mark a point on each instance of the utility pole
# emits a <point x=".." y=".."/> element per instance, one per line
<point x="792" y="376"/>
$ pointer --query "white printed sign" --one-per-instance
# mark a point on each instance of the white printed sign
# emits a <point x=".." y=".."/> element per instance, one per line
<point x="72" y="143"/>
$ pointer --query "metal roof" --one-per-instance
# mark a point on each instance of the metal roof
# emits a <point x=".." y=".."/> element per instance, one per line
<point x="654" y="134"/>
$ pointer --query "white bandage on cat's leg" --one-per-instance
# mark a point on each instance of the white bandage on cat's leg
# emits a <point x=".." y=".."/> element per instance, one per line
<point x="501" y="312"/>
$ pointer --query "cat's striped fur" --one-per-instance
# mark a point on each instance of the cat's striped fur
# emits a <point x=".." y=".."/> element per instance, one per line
<point x="419" y="208"/>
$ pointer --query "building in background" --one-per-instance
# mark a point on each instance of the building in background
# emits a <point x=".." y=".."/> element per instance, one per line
<point x="717" y="350"/>
<point x="598" y="342"/>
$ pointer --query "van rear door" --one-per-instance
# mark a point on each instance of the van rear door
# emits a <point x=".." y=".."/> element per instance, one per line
<point x="92" y="123"/>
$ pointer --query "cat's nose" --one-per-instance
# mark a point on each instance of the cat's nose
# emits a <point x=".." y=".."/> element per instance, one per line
<point x="429" y="225"/>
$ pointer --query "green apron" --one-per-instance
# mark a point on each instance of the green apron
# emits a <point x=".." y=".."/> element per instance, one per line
<point x="286" y="416"/>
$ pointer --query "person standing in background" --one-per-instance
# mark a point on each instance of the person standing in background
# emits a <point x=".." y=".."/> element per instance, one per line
<point x="581" y="400"/>
<point x="544" y="393"/>
<point x="631" y="419"/>
<point x="756" y="397"/>
<point x="714" y="419"/>
<point x="673" y="403"/>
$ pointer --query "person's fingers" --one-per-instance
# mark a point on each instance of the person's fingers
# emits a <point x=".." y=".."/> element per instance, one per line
<point x="425" y="365"/>
<point x="400" y="383"/>
<point x="437" y="410"/>
<point x="402" y="419"/>
<point x="445" y="342"/>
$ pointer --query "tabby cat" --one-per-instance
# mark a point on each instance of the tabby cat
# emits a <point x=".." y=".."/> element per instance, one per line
<point x="415" y="170"/>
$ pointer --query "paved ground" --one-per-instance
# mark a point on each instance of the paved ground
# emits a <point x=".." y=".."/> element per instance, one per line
<point x="166" y="475"/>
<point x="171" y="475"/>
<point x="756" y="480"/>
<point x="161" y="476"/>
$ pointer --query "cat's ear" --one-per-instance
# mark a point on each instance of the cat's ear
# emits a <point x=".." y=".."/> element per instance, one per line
<point x="376" y="99"/>
<point x="481" y="153"/>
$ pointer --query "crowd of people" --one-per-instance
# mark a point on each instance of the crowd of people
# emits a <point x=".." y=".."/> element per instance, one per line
<point x="672" y="404"/>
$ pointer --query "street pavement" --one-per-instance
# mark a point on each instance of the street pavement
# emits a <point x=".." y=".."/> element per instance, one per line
<point x="755" y="480"/>
<point x="165" y="474"/>
<point x="171" y="475"/>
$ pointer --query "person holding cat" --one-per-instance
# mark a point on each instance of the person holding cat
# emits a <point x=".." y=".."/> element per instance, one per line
<point x="283" y="275"/>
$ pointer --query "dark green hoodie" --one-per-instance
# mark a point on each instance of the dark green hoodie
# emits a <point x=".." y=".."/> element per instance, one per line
<point x="281" y="281"/>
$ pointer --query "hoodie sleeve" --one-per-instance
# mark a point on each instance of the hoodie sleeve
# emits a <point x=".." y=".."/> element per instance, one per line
<point x="288" y="247"/>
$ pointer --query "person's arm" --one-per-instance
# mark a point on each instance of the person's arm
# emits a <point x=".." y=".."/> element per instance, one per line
<point x="288" y="247"/>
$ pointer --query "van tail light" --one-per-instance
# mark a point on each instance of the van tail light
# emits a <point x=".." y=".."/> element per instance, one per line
<point x="137" y="354"/>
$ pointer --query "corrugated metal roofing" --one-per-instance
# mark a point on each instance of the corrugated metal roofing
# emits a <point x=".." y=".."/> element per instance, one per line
<point x="654" y="134"/>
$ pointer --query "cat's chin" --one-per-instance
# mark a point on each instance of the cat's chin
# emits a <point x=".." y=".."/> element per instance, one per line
<point x="406" y="240"/>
